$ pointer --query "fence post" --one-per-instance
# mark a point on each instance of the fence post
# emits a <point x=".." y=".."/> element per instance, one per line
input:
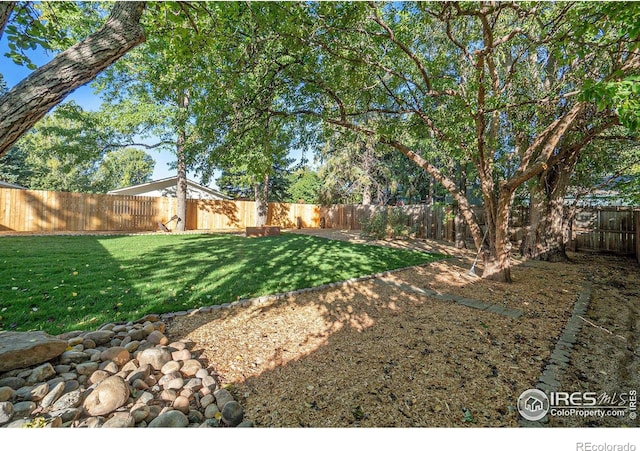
<point x="637" y="221"/>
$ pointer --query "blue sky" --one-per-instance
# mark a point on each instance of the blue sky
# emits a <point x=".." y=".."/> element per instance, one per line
<point x="83" y="96"/>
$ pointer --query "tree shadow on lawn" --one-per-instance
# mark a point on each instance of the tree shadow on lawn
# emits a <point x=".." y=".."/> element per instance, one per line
<point x="216" y="269"/>
<point x="53" y="283"/>
<point x="79" y="282"/>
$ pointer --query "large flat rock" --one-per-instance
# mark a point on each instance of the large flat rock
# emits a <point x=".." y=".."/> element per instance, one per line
<point x="24" y="349"/>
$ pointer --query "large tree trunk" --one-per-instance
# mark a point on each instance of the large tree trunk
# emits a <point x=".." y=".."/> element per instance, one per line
<point x="497" y="259"/>
<point x="47" y="86"/>
<point x="5" y="12"/>
<point x="545" y="238"/>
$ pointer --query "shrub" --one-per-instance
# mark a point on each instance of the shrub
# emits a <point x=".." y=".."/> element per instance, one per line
<point x="391" y="222"/>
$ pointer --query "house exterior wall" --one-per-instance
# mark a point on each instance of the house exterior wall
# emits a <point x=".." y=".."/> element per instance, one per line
<point x="168" y="189"/>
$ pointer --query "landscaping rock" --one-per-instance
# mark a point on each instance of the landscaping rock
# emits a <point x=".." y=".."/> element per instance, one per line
<point x="41" y="373"/>
<point x="183" y="354"/>
<point x="171" y="367"/>
<point x="232" y="413"/>
<point x="195" y="417"/>
<point x="181" y="403"/>
<point x="24" y="349"/>
<point x="6" y="393"/>
<point x="100" y="337"/>
<point x="156" y="357"/>
<point x="168" y="395"/>
<point x="170" y="419"/>
<point x="222" y="397"/>
<point x="68" y="401"/>
<point x="6" y="412"/>
<point x="70" y="386"/>
<point x="12" y="382"/>
<point x="131" y="346"/>
<point x="140" y="413"/>
<point x="120" y="422"/>
<point x="38" y="392"/>
<point x="157" y="338"/>
<point x="193" y="385"/>
<point x="136" y="335"/>
<point x="152" y="317"/>
<point x="53" y="395"/>
<point x="23" y="409"/>
<point x="190" y="367"/>
<point x="139" y="373"/>
<point x="87" y="368"/>
<point x="67" y="415"/>
<point x="88" y="343"/>
<point x="178" y="345"/>
<point x="211" y="411"/>
<point x="109" y="395"/>
<point x="210" y="423"/>
<point x="117" y="354"/>
<point x="23" y="422"/>
<point x="74" y="357"/>
<point x="107" y="379"/>
<point x="98" y="376"/>
<point x="206" y="400"/>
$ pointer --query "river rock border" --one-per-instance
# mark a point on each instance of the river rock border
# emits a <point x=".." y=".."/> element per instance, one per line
<point x="561" y="355"/>
<point x="122" y="375"/>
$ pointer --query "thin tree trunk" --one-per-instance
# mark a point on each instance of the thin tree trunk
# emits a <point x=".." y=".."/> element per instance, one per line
<point x="262" y="205"/>
<point x="432" y="192"/>
<point x="366" y="194"/>
<point x="459" y="223"/>
<point x="181" y="188"/>
<point x="46" y="87"/>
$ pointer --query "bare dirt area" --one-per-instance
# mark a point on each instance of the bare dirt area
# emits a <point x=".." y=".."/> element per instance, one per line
<point x="606" y="358"/>
<point x="388" y="352"/>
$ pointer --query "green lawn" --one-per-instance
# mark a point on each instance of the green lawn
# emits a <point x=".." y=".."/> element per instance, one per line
<point x="63" y="283"/>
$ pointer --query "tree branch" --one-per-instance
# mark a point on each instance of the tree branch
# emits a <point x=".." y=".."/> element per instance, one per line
<point x="392" y="37"/>
<point x="47" y="86"/>
<point x="546" y="160"/>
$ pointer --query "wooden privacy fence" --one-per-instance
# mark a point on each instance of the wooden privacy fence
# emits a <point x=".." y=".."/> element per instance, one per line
<point x="429" y="221"/>
<point x="602" y="229"/>
<point x="610" y="229"/>
<point x="52" y="211"/>
<point x="606" y="229"/>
